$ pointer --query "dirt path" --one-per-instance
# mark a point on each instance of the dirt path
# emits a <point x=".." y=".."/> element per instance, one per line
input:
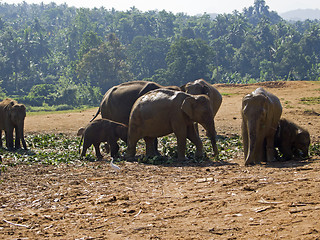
<point x="218" y="200"/>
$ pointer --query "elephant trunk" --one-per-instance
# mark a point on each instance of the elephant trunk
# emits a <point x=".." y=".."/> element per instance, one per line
<point x="212" y="134"/>
<point x="253" y="144"/>
<point x="20" y="136"/>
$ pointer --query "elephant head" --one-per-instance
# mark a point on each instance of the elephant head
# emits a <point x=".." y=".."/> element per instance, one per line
<point x="292" y="140"/>
<point x="198" y="109"/>
<point x="302" y="142"/>
<point x="200" y="86"/>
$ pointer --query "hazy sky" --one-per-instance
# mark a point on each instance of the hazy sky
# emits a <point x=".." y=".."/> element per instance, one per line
<point x="190" y="7"/>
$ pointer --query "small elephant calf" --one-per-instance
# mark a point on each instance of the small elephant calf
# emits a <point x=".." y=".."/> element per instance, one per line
<point x="102" y="130"/>
<point x="291" y="139"/>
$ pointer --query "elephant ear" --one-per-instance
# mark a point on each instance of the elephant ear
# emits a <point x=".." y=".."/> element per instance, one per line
<point x="205" y="90"/>
<point x="149" y="87"/>
<point x="188" y="106"/>
<point x="9" y="106"/>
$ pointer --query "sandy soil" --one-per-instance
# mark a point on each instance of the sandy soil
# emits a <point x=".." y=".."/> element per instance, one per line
<point x="218" y="200"/>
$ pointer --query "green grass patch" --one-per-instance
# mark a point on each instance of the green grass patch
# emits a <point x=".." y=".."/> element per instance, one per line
<point x="314" y="149"/>
<point x="54" y="149"/>
<point x="310" y="100"/>
<point x="55" y="109"/>
<point x="229" y="94"/>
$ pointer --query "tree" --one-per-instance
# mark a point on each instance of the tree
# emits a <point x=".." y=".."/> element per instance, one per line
<point x="104" y="66"/>
<point x="188" y="60"/>
<point x="146" y="55"/>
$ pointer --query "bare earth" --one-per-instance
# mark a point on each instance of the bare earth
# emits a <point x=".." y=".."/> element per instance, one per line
<point x="218" y="200"/>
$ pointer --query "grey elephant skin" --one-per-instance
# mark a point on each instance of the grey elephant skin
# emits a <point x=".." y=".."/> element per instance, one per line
<point x="161" y="112"/>
<point x="261" y="112"/>
<point x="12" y="117"/>
<point x="200" y="86"/>
<point x="102" y="130"/>
<point x="291" y="139"/>
<point x="117" y="102"/>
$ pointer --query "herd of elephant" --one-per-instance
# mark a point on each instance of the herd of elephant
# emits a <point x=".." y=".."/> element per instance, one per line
<point x="140" y="109"/>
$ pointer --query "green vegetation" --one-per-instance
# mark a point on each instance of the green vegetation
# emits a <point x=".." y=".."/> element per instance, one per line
<point x="310" y="100"/>
<point x="55" y="55"/>
<point x="54" y="149"/>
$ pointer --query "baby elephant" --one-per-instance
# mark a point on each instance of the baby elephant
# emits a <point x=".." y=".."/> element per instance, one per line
<point x="291" y="139"/>
<point x="102" y="130"/>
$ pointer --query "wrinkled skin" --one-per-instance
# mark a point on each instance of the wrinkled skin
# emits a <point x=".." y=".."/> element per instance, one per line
<point x="162" y="112"/>
<point x="261" y="112"/>
<point x="102" y="130"/>
<point x="291" y="139"/>
<point x="12" y="117"/>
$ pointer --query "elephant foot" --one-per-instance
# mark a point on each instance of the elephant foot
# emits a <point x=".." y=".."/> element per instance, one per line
<point x="100" y="158"/>
<point x="182" y="159"/>
<point x="271" y="159"/>
<point x="199" y="154"/>
<point x="249" y="162"/>
<point x="129" y="157"/>
<point x="271" y="155"/>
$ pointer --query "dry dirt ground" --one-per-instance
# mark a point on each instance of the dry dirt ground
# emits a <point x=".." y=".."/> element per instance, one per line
<point x="218" y="200"/>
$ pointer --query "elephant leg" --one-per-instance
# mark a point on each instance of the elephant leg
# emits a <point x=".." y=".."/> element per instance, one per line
<point x="244" y="131"/>
<point x="24" y="143"/>
<point x="114" y="148"/>
<point x="9" y="139"/>
<point x="131" y="149"/>
<point x="193" y="136"/>
<point x="181" y="142"/>
<point x="17" y="144"/>
<point x="151" y="149"/>
<point x="1" y="139"/>
<point x="286" y="151"/>
<point x="270" y="149"/>
<point x="155" y="145"/>
<point x="97" y="150"/>
<point x="106" y="147"/>
<point x="85" y="146"/>
<point x="21" y="137"/>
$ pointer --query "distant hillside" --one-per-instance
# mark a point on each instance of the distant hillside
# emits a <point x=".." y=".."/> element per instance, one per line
<point x="301" y="14"/>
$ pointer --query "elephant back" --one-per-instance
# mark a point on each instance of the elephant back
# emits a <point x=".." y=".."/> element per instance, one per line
<point x="118" y="101"/>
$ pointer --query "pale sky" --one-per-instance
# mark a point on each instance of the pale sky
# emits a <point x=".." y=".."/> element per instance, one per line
<point x="191" y="7"/>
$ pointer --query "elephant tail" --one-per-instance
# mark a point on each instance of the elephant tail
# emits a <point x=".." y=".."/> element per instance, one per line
<point x="80" y="144"/>
<point x="95" y="115"/>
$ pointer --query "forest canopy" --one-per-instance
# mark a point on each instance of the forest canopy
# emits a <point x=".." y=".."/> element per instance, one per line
<point x="58" y="55"/>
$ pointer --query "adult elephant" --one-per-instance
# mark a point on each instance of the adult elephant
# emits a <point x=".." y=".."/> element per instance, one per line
<point x="12" y="117"/>
<point x="117" y="102"/>
<point x="261" y="112"/>
<point x="164" y="111"/>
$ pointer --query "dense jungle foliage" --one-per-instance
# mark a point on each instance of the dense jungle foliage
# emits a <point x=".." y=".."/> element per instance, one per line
<point x="64" y="56"/>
